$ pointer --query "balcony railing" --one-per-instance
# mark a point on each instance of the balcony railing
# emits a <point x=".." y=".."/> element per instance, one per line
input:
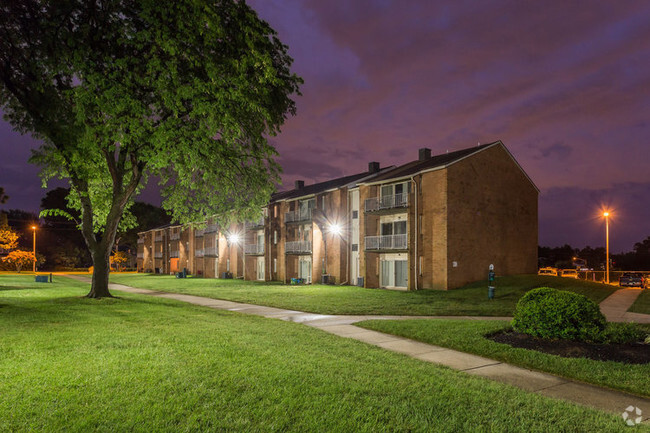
<point x="174" y="254"/>
<point x="199" y="232"/>
<point x="387" y="242"/>
<point x="141" y="255"/>
<point x="140" y="240"/>
<point x="174" y="236"/>
<point x="211" y="252"/>
<point x="255" y="224"/>
<point x="298" y="247"/>
<point x="157" y="255"/>
<point x="387" y="202"/>
<point x="254" y="248"/>
<point x="212" y="228"/>
<point x="198" y="253"/>
<point x="159" y="238"/>
<point x="299" y="215"/>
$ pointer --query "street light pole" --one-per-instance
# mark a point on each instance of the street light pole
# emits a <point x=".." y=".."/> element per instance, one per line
<point x="34" y="251"/>
<point x="606" y="215"/>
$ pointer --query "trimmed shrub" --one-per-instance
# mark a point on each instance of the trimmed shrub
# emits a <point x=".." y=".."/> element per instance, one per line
<point x="551" y="313"/>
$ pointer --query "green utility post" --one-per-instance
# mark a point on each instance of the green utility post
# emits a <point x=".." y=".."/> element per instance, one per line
<point x="491" y="276"/>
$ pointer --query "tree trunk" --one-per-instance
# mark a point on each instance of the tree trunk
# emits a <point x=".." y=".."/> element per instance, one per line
<point x="101" y="268"/>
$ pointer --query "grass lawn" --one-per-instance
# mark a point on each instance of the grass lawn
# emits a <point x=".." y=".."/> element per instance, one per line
<point x="467" y="336"/>
<point x="470" y="300"/>
<point x="642" y="303"/>
<point x="145" y="364"/>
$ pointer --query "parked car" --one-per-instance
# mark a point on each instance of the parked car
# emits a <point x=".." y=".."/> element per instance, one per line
<point x="547" y="271"/>
<point x="632" y="279"/>
<point x="570" y="273"/>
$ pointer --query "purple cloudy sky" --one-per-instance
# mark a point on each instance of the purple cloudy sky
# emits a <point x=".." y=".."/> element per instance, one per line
<point x="564" y="84"/>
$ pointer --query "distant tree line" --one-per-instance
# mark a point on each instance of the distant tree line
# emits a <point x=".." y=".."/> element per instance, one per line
<point x="564" y="257"/>
<point x="59" y="242"/>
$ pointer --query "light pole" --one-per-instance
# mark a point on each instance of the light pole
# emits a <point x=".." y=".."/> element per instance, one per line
<point x="606" y="215"/>
<point x="34" y="244"/>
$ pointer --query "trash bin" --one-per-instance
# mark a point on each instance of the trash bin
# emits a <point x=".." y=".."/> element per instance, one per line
<point x="360" y="281"/>
<point x="490" y="292"/>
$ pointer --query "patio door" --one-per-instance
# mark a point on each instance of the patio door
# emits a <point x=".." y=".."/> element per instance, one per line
<point x="260" y="268"/>
<point x="304" y="269"/>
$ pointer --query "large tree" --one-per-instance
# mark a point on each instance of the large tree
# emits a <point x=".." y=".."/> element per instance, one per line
<point x="119" y="90"/>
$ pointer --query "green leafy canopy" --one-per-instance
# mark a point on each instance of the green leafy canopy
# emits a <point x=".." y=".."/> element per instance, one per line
<point x="122" y="90"/>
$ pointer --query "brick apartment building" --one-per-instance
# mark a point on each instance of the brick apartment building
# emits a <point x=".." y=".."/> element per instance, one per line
<point x="437" y="222"/>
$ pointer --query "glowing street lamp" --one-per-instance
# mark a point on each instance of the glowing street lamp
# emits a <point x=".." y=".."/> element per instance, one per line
<point x="606" y="215"/>
<point x="335" y="229"/>
<point x="233" y="238"/>
<point x="34" y="244"/>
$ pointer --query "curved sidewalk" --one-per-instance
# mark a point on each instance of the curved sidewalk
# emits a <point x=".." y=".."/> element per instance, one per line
<point x="615" y="307"/>
<point x="541" y="383"/>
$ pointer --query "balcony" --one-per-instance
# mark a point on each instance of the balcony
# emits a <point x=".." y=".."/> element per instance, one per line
<point x="199" y="232"/>
<point x="157" y="255"/>
<point x="141" y="255"/>
<point x="212" y="228"/>
<point x="297" y="216"/>
<point x="174" y="236"/>
<point x="254" y="249"/>
<point x="198" y="253"/>
<point x="140" y="240"/>
<point x="387" y="202"/>
<point x="174" y="254"/>
<point x="387" y="242"/>
<point x="158" y="238"/>
<point x="211" y="252"/>
<point x="255" y="224"/>
<point x="298" y="247"/>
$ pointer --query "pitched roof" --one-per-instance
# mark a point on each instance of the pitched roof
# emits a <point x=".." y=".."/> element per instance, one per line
<point x="436" y="161"/>
<point x="317" y="188"/>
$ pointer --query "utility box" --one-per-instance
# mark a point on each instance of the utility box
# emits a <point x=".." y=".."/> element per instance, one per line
<point x="360" y="281"/>
<point x="41" y="279"/>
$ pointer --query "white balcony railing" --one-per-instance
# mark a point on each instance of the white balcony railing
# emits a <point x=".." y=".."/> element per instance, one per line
<point x="159" y="238"/>
<point x="174" y="254"/>
<point x="299" y="215"/>
<point x="140" y="240"/>
<point x="199" y="232"/>
<point x="198" y="253"/>
<point x="141" y="255"/>
<point x="174" y="236"/>
<point x="387" y="202"/>
<point x="387" y="242"/>
<point x="157" y="255"/>
<point x="257" y="223"/>
<point x="211" y="252"/>
<point x="298" y="247"/>
<point x="254" y="249"/>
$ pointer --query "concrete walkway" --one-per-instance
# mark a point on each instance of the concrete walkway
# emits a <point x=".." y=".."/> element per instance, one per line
<point x="541" y="383"/>
<point x="615" y="307"/>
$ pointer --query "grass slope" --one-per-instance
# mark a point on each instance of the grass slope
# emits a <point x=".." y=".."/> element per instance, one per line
<point x="642" y="303"/>
<point x="467" y="336"/>
<point x="144" y="364"/>
<point x="469" y="300"/>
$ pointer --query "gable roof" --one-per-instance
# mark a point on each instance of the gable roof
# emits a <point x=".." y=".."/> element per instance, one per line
<point x="440" y="161"/>
<point x="320" y="187"/>
<point x="436" y="161"/>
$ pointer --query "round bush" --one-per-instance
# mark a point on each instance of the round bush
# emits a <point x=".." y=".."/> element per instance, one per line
<point x="551" y="313"/>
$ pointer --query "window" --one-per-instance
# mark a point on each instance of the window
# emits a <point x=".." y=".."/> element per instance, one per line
<point x="275" y="265"/>
<point x="275" y="211"/>
<point x="228" y="265"/>
<point x="355" y="247"/>
<point x="355" y="214"/>
<point x="275" y="237"/>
